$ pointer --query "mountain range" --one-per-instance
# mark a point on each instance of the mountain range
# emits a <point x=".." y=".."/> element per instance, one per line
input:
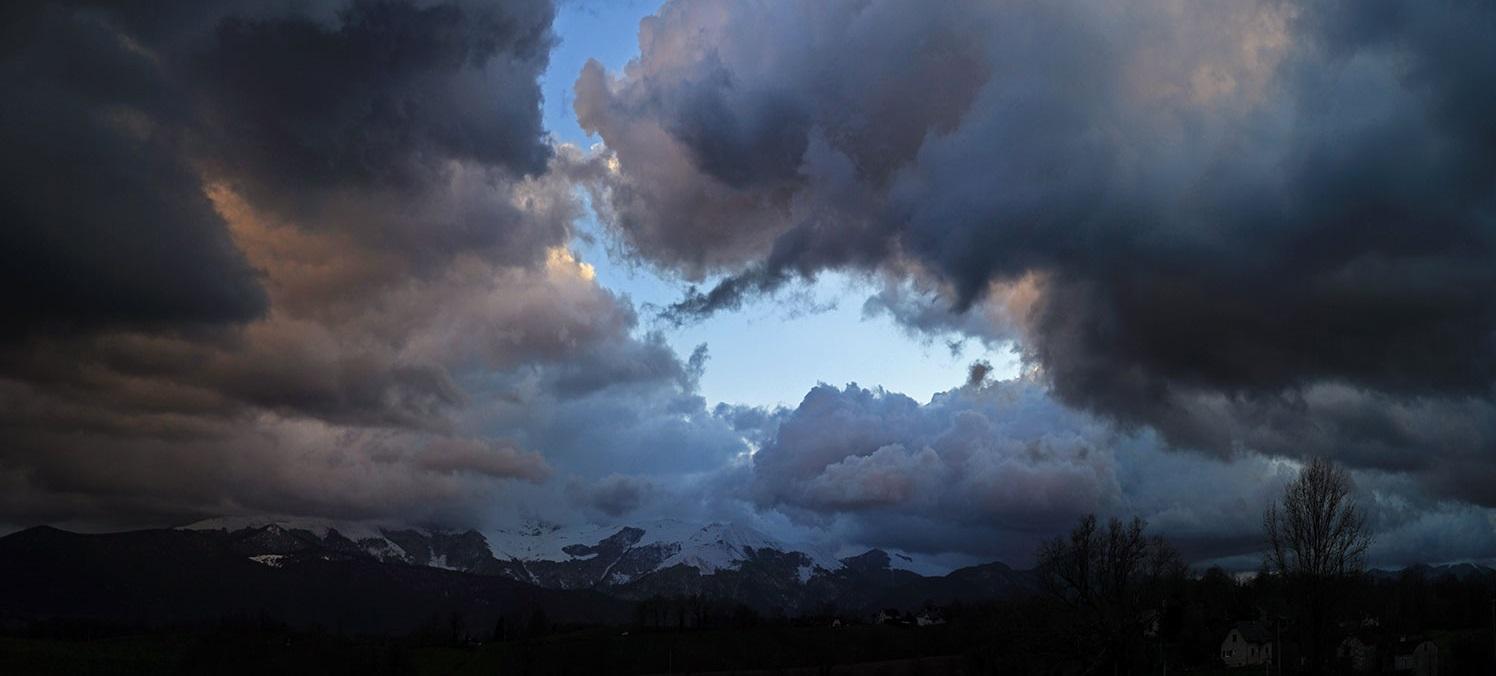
<point x="669" y="558"/>
<point x="388" y="579"/>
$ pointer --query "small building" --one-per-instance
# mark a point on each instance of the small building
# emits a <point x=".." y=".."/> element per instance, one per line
<point x="1359" y="652"/>
<point x="1417" y="656"/>
<point x="1248" y="644"/>
<point x="929" y="618"/>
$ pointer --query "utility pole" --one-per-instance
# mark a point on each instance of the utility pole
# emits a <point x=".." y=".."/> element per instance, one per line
<point x="1278" y="644"/>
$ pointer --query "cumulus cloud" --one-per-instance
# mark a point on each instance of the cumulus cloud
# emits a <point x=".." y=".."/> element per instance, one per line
<point x="1246" y="225"/>
<point x="1001" y="456"/>
<point x="987" y="470"/>
<point x="626" y="406"/>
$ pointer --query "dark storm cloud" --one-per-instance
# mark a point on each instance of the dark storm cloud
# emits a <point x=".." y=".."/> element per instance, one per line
<point x="614" y="495"/>
<point x="394" y="121"/>
<point x="392" y="104"/>
<point x="284" y="258"/>
<point x="621" y="365"/>
<point x="1247" y="225"/>
<point x="721" y="127"/>
<point x="492" y="459"/>
<point x="274" y="465"/>
<point x="100" y="382"/>
<point x="367" y="99"/>
<point x="105" y="221"/>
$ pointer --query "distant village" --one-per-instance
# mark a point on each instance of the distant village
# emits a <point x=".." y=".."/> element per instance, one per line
<point x="1365" y="649"/>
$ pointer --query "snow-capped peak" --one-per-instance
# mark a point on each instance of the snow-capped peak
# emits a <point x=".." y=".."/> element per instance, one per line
<point x="543" y="553"/>
<point x="368" y="537"/>
<point x="707" y="547"/>
<point x="538" y="541"/>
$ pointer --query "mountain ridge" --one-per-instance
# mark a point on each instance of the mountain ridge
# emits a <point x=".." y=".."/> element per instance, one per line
<point x="170" y="577"/>
<point x="666" y="558"/>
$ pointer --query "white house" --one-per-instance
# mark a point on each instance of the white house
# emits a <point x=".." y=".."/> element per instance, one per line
<point x="1359" y="653"/>
<point x="929" y="618"/>
<point x="1249" y="643"/>
<point x="1418" y="656"/>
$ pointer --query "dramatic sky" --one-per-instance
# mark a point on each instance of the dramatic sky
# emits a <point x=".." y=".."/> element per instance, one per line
<point x="935" y="277"/>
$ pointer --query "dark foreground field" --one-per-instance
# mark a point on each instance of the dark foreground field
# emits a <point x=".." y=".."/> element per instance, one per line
<point x="779" y="650"/>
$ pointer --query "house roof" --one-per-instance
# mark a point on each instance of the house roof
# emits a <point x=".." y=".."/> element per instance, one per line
<point x="1367" y="637"/>
<point x="1254" y="632"/>
<point x="1407" y="644"/>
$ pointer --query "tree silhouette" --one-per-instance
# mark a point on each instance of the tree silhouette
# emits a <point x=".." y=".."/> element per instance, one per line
<point x="1113" y="583"/>
<point x="1316" y="542"/>
<point x="1320" y="530"/>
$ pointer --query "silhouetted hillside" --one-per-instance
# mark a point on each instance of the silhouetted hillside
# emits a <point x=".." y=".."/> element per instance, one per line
<point x="156" y="578"/>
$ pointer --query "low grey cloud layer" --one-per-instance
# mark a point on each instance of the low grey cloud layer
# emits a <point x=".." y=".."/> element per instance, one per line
<point x="988" y="469"/>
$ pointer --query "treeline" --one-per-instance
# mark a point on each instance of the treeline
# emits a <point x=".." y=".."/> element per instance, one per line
<point x="1117" y="601"/>
<point x="1176" y="623"/>
<point x="1173" y="620"/>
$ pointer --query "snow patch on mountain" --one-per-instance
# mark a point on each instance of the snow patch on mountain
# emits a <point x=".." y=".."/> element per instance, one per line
<point x="588" y="553"/>
<point x="540" y="541"/>
<point x="353" y="530"/>
<point x="384" y="550"/>
<point x="369" y="537"/>
<point x="898" y="560"/>
<point x="707" y="547"/>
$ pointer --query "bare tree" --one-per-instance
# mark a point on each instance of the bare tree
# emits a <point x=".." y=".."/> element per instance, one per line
<point x="1316" y="541"/>
<point x="1112" y="583"/>
<point x="1320" y="531"/>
